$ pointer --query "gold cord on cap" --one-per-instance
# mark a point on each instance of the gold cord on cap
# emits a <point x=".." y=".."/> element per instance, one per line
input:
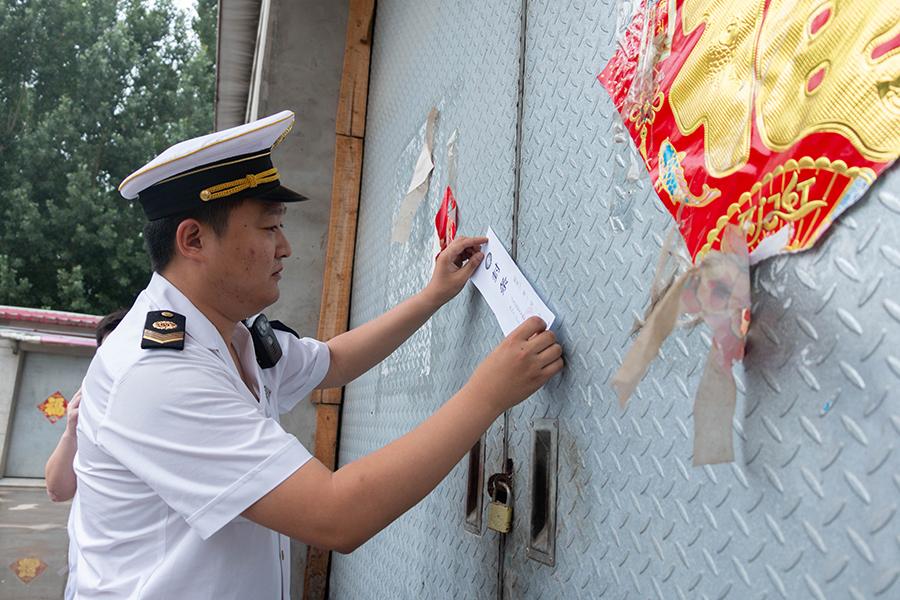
<point x="238" y="185"/>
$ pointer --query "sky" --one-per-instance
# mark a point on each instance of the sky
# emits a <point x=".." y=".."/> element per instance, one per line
<point x="187" y="5"/>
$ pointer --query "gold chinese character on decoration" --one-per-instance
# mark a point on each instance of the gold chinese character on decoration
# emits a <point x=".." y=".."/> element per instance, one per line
<point x="805" y="66"/>
<point x="830" y="67"/>
<point x="793" y="194"/>
<point x="715" y="86"/>
<point x="54" y="407"/>
<point x="28" y="568"/>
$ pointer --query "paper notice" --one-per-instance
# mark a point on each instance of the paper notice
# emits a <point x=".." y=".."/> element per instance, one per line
<point x="504" y="287"/>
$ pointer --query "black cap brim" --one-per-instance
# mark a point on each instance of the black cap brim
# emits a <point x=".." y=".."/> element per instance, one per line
<point x="280" y="194"/>
<point x="214" y="183"/>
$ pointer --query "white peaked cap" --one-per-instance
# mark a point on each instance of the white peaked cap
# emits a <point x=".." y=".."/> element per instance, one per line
<point x="259" y="135"/>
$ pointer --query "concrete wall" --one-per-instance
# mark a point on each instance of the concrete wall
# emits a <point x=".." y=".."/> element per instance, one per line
<point x="10" y="361"/>
<point x="302" y="73"/>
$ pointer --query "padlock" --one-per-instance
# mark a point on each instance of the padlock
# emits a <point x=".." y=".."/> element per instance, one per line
<point x="500" y="513"/>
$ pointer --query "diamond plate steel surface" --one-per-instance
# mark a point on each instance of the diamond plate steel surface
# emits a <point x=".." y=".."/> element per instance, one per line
<point x="462" y="58"/>
<point x="808" y="509"/>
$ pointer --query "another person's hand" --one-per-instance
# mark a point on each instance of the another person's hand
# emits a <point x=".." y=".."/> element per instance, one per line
<point x="72" y="414"/>
<point x="453" y="267"/>
<point x="60" y="476"/>
<point x="519" y="365"/>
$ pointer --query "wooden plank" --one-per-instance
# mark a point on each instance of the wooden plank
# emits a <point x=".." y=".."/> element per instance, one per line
<point x="329" y="396"/>
<point x="334" y="315"/>
<point x="327" y="417"/>
<point x="315" y="579"/>
<point x="334" y="318"/>
<point x="351" y="112"/>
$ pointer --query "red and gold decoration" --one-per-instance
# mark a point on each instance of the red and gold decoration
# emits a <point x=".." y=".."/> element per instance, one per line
<point x="772" y="115"/>
<point x="54" y="407"/>
<point x="759" y="121"/>
<point x="28" y="568"/>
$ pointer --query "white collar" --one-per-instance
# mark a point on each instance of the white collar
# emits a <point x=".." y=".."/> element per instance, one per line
<point x="166" y="296"/>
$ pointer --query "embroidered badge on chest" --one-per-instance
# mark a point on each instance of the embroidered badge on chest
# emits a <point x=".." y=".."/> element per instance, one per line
<point x="163" y="329"/>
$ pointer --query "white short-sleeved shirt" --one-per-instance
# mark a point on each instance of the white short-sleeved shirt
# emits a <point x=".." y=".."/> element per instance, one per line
<point x="69" y="593"/>
<point x="172" y="448"/>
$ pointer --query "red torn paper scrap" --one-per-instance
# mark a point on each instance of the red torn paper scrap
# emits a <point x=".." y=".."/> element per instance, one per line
<point x="446" y="219"/>
<point x="54" y="407"/>
<point x="718" y="291"/>
<point x="772" y="115"/>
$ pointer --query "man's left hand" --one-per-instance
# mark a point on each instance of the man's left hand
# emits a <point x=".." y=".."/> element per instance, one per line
<point x="453" y="267"/>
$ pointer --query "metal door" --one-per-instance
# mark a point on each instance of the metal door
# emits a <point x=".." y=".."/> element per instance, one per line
<point x="463" y="59"/>
<point x="607" y="503"/>
<point x="33" y="437"/>
<point x="807" y="510"/>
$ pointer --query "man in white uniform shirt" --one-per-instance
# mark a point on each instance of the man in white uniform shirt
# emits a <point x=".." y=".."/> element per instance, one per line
<point x="188" y="484"/>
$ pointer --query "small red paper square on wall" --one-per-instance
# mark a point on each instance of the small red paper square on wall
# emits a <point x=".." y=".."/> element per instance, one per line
<point x="54" y="407"/>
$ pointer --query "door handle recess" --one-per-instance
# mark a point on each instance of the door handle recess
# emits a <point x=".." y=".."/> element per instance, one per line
<point x="474" y="485"/>
<point x="542" y="521"/>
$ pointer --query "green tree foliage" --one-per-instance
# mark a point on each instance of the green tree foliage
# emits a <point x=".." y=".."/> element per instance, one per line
<point x="89" y="91"/>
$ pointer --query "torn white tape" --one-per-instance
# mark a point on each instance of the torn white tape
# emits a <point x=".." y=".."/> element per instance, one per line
<point x="418" y="185"/>
<point x="772" y="245"/>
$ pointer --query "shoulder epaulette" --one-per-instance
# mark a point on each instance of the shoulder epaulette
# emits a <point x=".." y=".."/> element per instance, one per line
<point x="163" y="329"/>
<point x="282" y="327"/>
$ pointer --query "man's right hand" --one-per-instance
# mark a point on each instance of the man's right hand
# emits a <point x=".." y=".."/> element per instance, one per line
<point x="519" y="365"/>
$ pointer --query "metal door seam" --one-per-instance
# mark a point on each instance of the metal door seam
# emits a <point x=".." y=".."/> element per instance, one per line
<point x="517" y="181"/>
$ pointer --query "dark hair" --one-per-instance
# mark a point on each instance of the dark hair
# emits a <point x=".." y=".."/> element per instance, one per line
<point x="108" y="323"/>
<point x="159" y="235"/>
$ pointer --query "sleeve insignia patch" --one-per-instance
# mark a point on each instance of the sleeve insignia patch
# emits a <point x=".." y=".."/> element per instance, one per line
<point x="163" y="329"/>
